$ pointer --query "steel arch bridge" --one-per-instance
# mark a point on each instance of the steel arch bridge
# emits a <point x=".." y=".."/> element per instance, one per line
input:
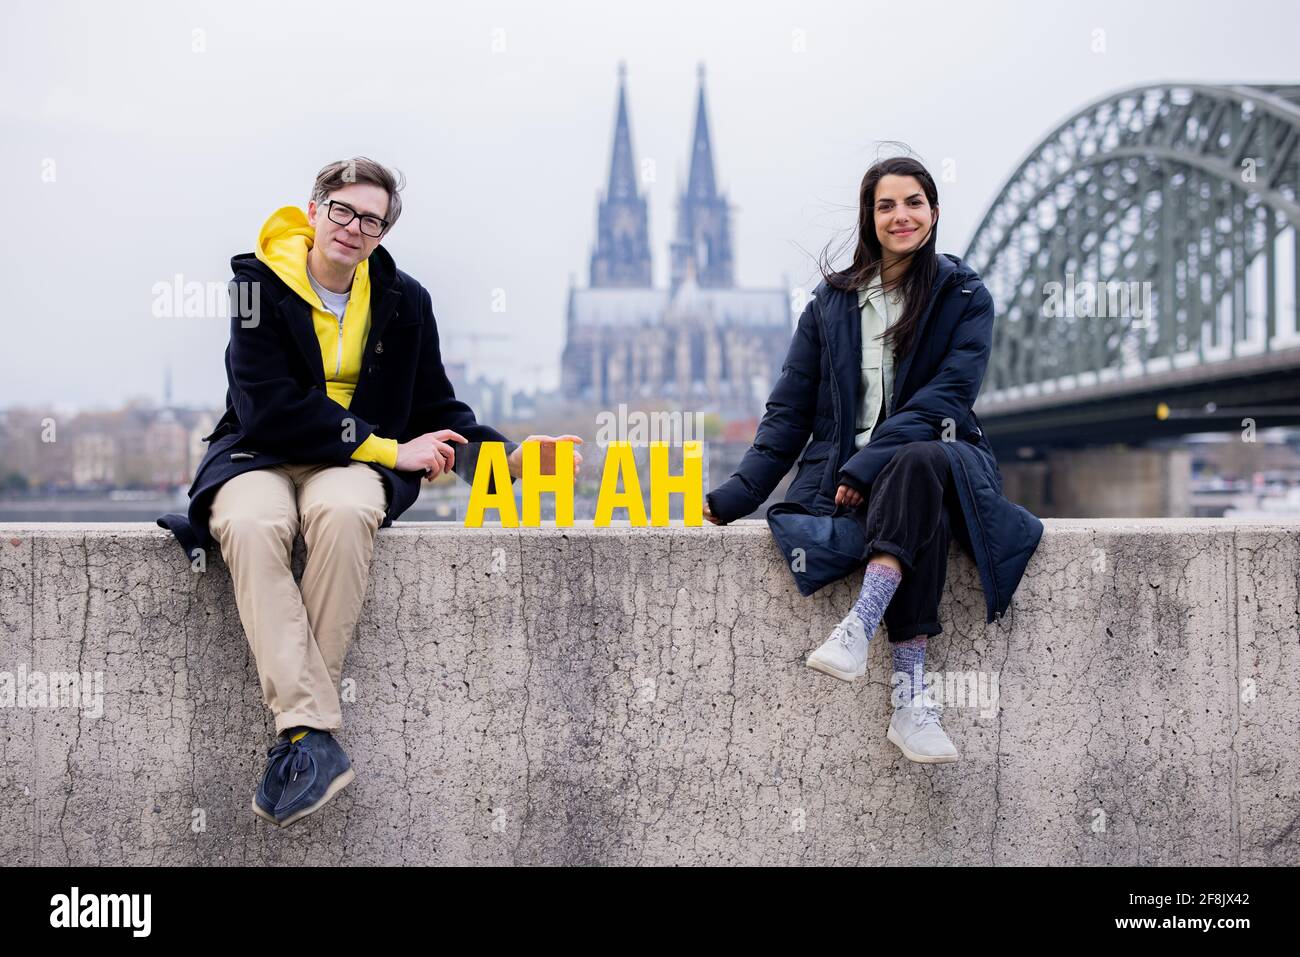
<point x="1146" y="251"/>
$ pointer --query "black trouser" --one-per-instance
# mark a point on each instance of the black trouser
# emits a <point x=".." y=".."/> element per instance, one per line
<point x="911" y="513"/>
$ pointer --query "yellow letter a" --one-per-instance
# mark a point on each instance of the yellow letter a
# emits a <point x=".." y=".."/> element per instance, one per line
<point x="619" y="458"/>
<point x="492" y="466"/>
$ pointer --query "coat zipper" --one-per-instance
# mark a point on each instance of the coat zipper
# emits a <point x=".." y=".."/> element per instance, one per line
<point x="338" y="364"/>
<point x="835" y="394"/>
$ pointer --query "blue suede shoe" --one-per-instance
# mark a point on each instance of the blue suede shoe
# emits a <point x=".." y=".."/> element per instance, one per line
<point x="269" y="791"/>
<point x="315" y="770"/>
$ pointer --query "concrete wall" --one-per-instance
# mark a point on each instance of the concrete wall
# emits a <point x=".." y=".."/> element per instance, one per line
<point x="639" y="696"/>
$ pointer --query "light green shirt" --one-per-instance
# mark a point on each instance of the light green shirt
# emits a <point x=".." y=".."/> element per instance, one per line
<point x="876" y="386"/>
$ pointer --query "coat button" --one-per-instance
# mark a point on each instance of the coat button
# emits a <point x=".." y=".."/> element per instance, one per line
<point x="379" y="348"/>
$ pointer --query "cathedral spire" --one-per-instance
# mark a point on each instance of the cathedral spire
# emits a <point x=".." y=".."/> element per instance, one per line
<point x="622" y="253"/>
<point x="703" y="216"/>
<point x="622" y="172"/>
<point x="701" y="184"/>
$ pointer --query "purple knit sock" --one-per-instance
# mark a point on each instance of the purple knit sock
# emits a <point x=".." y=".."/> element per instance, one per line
<point x="878" y="586"/>
<point x="909" y="670"/>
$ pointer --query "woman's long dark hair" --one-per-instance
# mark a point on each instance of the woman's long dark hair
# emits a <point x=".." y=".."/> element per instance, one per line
<point x="918" y="277"/>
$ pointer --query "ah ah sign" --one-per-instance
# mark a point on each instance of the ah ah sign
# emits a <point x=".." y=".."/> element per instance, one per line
<point x="493" y="471"/>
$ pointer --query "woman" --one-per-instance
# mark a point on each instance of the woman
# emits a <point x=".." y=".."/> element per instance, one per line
<point x="886" y="362"/>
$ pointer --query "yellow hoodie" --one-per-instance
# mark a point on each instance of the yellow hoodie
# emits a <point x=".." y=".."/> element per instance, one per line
<point x="283" y="244"/>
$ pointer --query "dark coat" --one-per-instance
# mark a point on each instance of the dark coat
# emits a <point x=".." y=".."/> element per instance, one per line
<point x="817" y="395"/>
<point x="277" y="409"/>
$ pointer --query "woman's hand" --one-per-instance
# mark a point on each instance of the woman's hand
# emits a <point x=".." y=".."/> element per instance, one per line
<point x="515" y="462"/>
<point x="709" y="514"/>
<point x="848" y="495"/>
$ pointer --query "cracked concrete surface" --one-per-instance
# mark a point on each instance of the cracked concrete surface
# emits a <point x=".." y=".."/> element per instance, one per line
<point x="619" y="696"/>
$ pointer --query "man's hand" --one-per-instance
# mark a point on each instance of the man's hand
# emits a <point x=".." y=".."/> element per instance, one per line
<point x="430" y="453"/>
<point x="848" y="495"/>
<point x="516" y="459"/>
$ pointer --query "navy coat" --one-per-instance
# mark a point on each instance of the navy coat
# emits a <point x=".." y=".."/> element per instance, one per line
<point x="816" y="397"/>
<point x="277" y="409"/>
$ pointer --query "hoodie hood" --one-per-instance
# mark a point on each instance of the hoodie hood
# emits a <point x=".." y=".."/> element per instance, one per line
<point x="283" y="244"/>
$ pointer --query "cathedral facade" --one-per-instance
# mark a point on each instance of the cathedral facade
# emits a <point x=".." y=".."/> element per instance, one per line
<point x="702" y="343"/>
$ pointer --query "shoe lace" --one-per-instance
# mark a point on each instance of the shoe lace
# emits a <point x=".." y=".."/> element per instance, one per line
<point x="293" y="756"/>
<point x="847" y="634"/>
<point x="927" y="714"/>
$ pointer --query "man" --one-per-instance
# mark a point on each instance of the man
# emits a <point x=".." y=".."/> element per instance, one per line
<point x="338" y="407"/>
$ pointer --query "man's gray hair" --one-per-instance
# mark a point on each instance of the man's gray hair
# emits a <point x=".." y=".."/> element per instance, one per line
<point x="362" y="169"/>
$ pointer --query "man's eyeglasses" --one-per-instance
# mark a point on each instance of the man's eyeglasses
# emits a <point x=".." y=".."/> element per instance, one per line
<point x="342" y="214"/>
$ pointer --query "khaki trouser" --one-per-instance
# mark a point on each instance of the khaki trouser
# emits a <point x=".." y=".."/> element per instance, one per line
<point x="300" y="637"/>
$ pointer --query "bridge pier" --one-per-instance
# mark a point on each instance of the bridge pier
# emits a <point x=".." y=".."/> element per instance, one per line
<point x="1103" y="483"/>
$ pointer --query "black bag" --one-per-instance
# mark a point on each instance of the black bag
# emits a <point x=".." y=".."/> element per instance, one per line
<point x="818" y="549"/>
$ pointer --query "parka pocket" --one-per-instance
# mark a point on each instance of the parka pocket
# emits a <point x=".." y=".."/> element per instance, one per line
<point x="872" y="390"/>
<point x="816" y="451"/>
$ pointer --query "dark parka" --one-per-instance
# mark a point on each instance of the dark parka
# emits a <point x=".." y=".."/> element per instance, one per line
<point x="935" y="384"/>
<point x="277" y="409"/>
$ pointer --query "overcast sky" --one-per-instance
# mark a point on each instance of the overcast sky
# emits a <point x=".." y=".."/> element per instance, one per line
<point x="136" y="148"/>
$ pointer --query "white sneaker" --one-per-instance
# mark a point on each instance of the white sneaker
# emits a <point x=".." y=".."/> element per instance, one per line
<point x="844" y="654"/>
<point x="918" y="734"/>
